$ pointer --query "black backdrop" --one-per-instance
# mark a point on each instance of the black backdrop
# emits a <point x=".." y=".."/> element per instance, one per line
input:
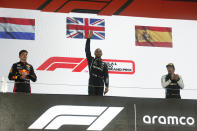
<point x="19" y="111"/>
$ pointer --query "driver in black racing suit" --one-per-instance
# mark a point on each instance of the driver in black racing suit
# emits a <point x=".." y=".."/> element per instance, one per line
<point x="98" y="71"/>
<point x="22" y="72"/>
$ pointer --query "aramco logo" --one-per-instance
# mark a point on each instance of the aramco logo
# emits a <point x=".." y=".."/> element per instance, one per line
<point x="169" y="120"/>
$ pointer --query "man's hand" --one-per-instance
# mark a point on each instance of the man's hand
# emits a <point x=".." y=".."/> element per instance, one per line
<point x="172" y="76"/>
<point x="23" y="77"/>
<point x="24" y="74"/>
<point x="176" y="77"/>
<point x="90" y="34"/>
<point x="106" y="90"/>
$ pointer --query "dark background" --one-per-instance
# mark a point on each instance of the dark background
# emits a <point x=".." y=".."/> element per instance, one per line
<point x="19" y="111"/>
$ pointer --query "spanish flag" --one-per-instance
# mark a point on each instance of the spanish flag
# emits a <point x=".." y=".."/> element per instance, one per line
<point x="153" y="36"/>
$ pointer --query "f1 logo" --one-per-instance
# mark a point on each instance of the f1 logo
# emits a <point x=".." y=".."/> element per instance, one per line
<point x="79" y="64"/>
<point x="96" y="116"/>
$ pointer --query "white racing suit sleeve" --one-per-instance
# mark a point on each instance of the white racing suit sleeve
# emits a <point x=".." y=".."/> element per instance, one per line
<point x="165" y="83"/>
<point x="180" y="82"/>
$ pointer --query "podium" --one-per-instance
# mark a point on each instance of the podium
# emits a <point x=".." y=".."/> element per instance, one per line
<point x="36" y="112"/>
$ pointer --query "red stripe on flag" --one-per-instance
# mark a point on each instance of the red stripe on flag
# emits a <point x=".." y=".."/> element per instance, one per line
<point x="70" y="36"/>
<point x="82" y="27"/>
<point x="86" y="27"/>
<point x="161" y="29"/>
<point x="154" y="44"/>
<point x="71" y="19"/>
<point x="18" y="21"/>
<point x="99" y="35"/>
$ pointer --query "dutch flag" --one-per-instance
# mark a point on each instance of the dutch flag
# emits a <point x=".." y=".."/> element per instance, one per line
<point x="17" y="28"/>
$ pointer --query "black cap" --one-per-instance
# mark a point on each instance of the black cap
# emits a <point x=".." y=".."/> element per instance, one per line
<point x="170" y="65"/>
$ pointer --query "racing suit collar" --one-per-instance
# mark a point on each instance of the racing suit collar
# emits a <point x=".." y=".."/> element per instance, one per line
<point x="24" y="63"/>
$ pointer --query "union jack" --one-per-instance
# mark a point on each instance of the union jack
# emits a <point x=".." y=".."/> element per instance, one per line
<point x="80" y="27"/>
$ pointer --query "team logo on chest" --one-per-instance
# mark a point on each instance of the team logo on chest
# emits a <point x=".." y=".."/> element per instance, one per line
<point x="98" y="65"/>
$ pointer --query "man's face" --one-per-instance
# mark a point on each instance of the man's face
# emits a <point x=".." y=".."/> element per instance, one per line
<point x="23" y="56"/>
<point x="98" y="53"/>
<point x="170" y="70"/>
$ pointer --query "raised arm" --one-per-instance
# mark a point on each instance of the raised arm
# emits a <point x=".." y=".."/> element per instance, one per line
<point x="87" y="47"/>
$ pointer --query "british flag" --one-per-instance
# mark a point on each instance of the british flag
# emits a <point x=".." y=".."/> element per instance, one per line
<point x="80" y="27"/>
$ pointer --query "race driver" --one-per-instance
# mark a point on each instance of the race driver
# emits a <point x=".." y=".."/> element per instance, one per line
<point x="22" y="72"/>
<point x="98" y="71"/>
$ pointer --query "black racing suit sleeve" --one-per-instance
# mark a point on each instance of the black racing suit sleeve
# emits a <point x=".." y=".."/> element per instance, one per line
<point x="88" y="52"/>
<point x="32" y="76"/>
<point x="13" y="74"/>
<point x="106" y="76"/>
